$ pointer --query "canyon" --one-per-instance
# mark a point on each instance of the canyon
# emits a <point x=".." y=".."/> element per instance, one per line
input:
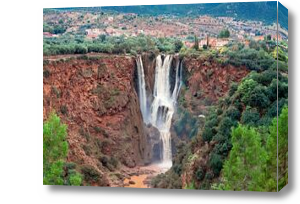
<point x="166" y="96"/>
<point x="120" y="109"/>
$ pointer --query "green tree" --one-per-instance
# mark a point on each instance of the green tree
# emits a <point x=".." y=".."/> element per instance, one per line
<point x="245" y="89"/>
<point x="75" y="179"/>
<point x="254" y="45"/>
<point x="281" y="55"/>
<point x="102" y="37"/>
<point x="55" y="149"/>
<point x="224" y="33"/>
<point x="80" y="49"/>
<point x="178" y="45"/>
<point x="254" y="94"/>
<point x="196" y="43"/>
<point x="258" y="98"/>
<point x="47" y="28"/>
<point x="225" y="125"/>
<point x="250" y="116"/>
<point x="233" y="88"/>
<point x="282" y="152"/>
<point x="210" y="128"/>
<point x="252" y="162"/>
<point x="58" y="29"/>
<point x="247" y="160"/>
<point x="233" y="113"/>
<point x="200" y="173"/>
<point x="215" y="162"/>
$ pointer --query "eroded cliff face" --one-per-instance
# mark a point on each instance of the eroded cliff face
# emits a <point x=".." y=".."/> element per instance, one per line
<point x="209" y="81"/>
<point x="205" y="82"/>
<point x="96" y="98"/>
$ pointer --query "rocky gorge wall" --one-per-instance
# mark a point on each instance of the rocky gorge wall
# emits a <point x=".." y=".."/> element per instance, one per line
<point x="96" y="98"/>
<point x="205" y="83"/>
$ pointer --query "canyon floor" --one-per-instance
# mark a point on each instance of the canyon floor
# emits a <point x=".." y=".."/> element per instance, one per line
<point x="140" y="177"/>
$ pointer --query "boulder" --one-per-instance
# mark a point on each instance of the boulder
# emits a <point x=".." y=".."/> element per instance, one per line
<point x="154" y="144"/>
<point x="131" y="182"/>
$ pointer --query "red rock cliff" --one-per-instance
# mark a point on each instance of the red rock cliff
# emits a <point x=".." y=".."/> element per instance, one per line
<point x="96" y="98"/>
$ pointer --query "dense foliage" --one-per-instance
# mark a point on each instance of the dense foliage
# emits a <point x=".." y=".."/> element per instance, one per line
<point x="54" y="29"/>
<point x="253" y="103"/>
<point x="224" y="34"/>
<point x="55" y="149"/>
<point x="252" y="163"/>
<point x="257" y="56"/>
<point x="186" y="124"/>
<point x="69" y="44"/>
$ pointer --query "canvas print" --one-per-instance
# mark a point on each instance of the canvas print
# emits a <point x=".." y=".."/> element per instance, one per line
<point x="189" y="96"/>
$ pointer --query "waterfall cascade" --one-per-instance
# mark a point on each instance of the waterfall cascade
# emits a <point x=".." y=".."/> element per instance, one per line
<point x="160" y="111"/>
<point x="142" y="88"/>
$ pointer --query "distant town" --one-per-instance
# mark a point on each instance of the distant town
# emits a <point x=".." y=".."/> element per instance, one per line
<point x="206" y="28"/>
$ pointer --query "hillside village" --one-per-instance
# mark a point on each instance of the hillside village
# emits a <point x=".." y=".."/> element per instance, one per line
<point x="206" y="28"/>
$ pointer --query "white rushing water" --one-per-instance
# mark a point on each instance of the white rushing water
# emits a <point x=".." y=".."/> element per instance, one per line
<point x="142" y="88"/>
<point x="164" y="103"/>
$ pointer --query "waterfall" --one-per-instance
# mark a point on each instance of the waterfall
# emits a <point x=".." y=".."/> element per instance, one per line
<point x="142" y="88"/>
<point x="178" y="81"/>
<point x="164" y="103"/>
